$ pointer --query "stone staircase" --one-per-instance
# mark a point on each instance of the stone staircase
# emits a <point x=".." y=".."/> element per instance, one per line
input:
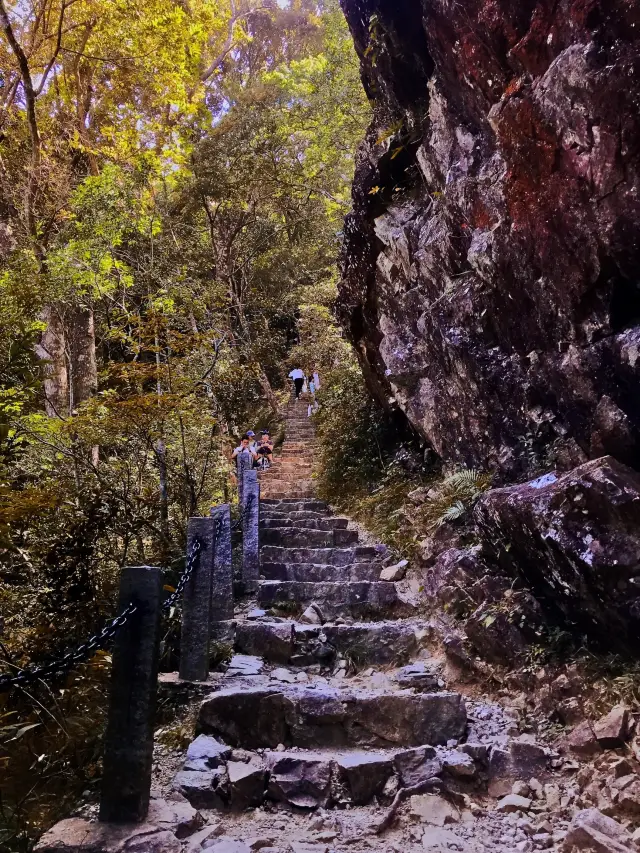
<point x="290" y="474"/>
<point x="326" y="731"/>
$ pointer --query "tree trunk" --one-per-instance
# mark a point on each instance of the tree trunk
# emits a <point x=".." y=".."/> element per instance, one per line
<point x="83" y="369"/>
<point x="52" y="350"/>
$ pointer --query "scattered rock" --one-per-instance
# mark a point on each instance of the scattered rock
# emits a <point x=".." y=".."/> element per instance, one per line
<point x="256" y="613"/>
<point x="434" y="809"/>
<point x="612" y="730"/>
<point x="363" y="775"/>
<point x="591" y="830"/>
<point x="311" y="616"/>
<point x="415" y="766"/>
<point x="245" y="665"/>
<point x="178" y="816"/>
<point x="514" y="803"/>
<point x="423" y="675"/>
<point x="201" y="787"/>
<point x="226" y="845"/>
<point x="205" y="753"/>
<point x="246" y="782"/>
<point x="459" y="764"/>
<point x="302" y="780"/>
<point x="284" y="675"/>
<point x="582" y="741"/>
<point x="395" y="572"/>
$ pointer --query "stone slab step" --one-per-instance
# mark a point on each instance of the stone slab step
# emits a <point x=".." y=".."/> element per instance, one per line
<point x="299" y="537"/>
<point x="321" y="716"/>
<point x="308" y="522"/>
<point x="345" y="598"/>
<point x="285" y="480"/>
<point x="331" y="556"/>
<point x="266" y="513"/>
<point x="294" y="505"/>
<point x="319" y="573"/>
<point x="366" y="643"/>
<point x="277" y="494"/>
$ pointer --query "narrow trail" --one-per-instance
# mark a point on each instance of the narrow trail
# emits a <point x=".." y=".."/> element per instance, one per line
<point x="338" y="730"/>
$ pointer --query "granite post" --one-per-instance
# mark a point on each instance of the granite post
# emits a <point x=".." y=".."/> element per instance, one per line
<point x="196" y="603"/>
<point x="222" y="576"/>
<point x="250" y="508"/>
<point x="244" y="464"/>
<point x="128" y="743"/>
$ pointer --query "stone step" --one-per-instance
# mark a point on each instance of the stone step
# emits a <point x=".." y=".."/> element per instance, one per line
<point x="277" y="491"/>
<point x="280" y="520"/>
<point x="319" y="572"/>
<point x="273" y="492"/>
<point x="358" y="599"/>
<point x="284" y="478"/>
<point x="307" y="538"/>
<point x="332" y="556"/>
<point x="280" y="465"/>
<point x="320" y="716"/>
<point x="266" y="511"/>
<point x="294" y="505"/>
<point x="364" y="643"/>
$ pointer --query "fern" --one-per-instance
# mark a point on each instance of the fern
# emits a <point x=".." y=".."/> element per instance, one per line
<point x="455" y="511"/>
<point x="466" y="478"/>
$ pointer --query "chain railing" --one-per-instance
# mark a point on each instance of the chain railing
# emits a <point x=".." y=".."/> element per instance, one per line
<point x="67" y="662"/>
<point x="206" y="587"/>
<point x="62" y="665"/>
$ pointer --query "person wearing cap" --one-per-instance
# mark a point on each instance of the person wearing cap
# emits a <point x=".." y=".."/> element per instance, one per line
<point x="265" y="446"/>
<point x="253" y="444"/>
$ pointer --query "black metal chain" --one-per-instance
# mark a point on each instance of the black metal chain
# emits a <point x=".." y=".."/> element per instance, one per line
<point x="99" y="640"/>
<point x="70" y="659"/>
<point x="192" y="559"/>
<point x="244" y="513"/>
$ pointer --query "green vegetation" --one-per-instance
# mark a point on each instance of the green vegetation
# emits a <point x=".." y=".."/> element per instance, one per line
<point x="173" y="180"/>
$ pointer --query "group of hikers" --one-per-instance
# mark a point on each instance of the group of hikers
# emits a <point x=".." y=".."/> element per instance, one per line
<point x="261" y="450"/>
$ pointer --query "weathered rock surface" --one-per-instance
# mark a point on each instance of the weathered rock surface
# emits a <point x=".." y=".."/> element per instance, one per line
<point x="302" y="780"/>
<point x="82" y="836"/>
<point x="591" y="830"/>
<point x="490" y="263"/>
<point x="575" y="542"/>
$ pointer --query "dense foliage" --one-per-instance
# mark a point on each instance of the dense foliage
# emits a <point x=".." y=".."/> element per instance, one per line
<point x="173" y="179"/>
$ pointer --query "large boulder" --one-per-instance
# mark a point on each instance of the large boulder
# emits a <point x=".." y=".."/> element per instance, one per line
<point x="575" y="542"/>
<point x="489" y="272"/>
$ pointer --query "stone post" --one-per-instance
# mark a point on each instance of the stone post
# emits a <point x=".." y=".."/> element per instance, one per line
<point x="250" y="508"/>
<point x="128" y="742"/>
<point x="244" y="463"/>
<point x="196" y="603"/>
<point x="222" y="577"/>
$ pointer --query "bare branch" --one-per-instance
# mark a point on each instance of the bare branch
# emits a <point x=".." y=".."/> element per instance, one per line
<point x="56" y="51"/>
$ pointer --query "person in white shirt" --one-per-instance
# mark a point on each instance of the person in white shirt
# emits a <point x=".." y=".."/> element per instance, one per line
<point x="298" y="380"/>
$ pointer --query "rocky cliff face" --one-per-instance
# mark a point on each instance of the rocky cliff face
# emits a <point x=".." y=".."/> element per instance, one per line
<point x="492" y="262"/>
